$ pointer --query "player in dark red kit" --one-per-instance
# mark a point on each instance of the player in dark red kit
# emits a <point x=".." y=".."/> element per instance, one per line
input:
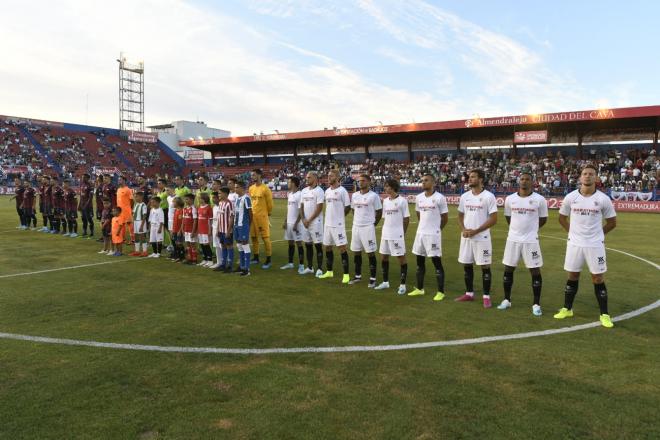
<point x="70" y="210"/>
<point x="18" y="196"/>
<point x="48" y="204"/>
<point x="85" y="206"/>
<point x="98" y="194"/>
<point x="42" y="200"/>
<point x="144" y="188"/>
<point x="58" y="208"/>
<point x="109" y="190"/>
<point x="29" y="197"/>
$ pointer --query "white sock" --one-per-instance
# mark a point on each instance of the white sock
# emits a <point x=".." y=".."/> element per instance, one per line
<point x="137" y="246"/>
<point x="144" y="246"/>
<point x="469" y="293"/>
<point x="486" y="296"/>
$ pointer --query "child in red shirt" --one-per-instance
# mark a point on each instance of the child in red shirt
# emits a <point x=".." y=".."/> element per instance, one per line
<point x="204" y="219"/>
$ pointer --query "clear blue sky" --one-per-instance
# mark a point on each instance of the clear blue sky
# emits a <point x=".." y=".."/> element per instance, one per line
<point x="295" y="65"/>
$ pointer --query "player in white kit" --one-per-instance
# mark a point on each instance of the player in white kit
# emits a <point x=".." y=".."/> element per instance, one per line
<point x="477" y="213"/>
<point x="293" y="228"/>
<point x="311" y="215"/>
<point x="337" y="205"/>
<point x="392" y="241"/>
<point x="586" y="208"/>
<point x="367" y="212"/>
<point x="432" y="214"/>
<point x="231" y="184"/>
<point x="526" y="212"/>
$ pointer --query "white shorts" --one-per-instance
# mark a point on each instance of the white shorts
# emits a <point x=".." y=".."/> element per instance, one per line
<point x="530" y="252"/>
<point x="154" y="236"/>
<point x="363" y="238"/>
<point x="334" y="236"/>
<point x="577" y="255"/>
<point x="313" y="234"/>
<point x="203" y="238"/>
<point x="216" y="239"/>
<point x="137" y="226"/>
<point x="395" y="248"/>
<point x="294" y="235"/>
<point x="427" y="245"/>
<point x="475" y="252"/>
<point x="188" y="237"/>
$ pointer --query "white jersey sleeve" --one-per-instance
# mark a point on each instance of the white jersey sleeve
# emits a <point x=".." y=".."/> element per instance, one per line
<point x="507" y="206"/>
<point x="492" y="203"/>
<point x="543" y="207"/>
<point x="608" y="207"/>
<point x="565" y="208"/>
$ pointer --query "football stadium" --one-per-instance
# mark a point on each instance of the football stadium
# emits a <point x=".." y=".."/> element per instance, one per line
<point x="474" y="276"/>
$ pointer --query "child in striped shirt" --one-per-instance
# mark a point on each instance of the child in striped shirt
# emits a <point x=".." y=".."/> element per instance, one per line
<point x="140" y="226"/>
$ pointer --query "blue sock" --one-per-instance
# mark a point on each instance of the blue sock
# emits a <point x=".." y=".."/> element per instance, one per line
<point x="224" y="257"/>
<point x="229" y="262"/>
<point x="241" y="259"/>
<point x="247" y="260"/>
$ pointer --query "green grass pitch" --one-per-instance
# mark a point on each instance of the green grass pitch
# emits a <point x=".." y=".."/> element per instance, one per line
<point x="596" y="383"/>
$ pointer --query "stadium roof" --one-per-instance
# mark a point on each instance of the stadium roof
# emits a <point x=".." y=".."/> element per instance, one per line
<point x="630" y="117"/>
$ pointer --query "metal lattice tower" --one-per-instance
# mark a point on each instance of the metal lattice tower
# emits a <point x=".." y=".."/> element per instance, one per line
<point x="131" y="95"/>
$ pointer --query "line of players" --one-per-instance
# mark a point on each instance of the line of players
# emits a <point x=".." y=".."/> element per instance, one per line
<point x="525" y="212"/>
<point x="229" y="223"/>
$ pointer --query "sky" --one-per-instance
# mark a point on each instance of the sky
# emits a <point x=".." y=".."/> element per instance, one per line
<point x="295" y="65"/>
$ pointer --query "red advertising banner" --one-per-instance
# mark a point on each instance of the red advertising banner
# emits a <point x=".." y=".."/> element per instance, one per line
<point x="141" y="136"/>
<point x="530" y="137"/>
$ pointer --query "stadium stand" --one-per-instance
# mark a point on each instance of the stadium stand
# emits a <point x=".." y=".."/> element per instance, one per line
<point x="29" y="150"/>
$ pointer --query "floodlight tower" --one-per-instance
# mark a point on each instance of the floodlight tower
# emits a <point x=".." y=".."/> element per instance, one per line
<point x="131" y="94"/>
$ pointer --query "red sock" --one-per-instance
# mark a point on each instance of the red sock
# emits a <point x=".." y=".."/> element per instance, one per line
<point x="193" y="253"/>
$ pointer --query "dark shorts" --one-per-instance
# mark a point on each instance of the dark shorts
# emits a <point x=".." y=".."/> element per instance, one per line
<point x="226" y="239"/>
<point x="242" y="234"/>
<point x="106" y="232"/>
<point x="48" y="210"/>
<point x="178" y="238"/>
<point x="87" y="212"/>
<point x="58" y="211"/>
